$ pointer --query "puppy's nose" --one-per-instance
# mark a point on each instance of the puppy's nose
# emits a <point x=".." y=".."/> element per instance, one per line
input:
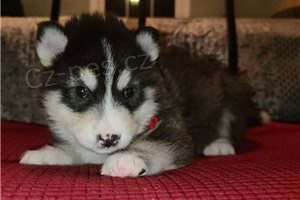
<point x="109" y="140"/>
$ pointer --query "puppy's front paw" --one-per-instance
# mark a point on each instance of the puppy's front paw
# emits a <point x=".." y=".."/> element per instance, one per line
<point x="47" y="155"/>
<point x="123" y="165"/>
<point x="219" y="147"/>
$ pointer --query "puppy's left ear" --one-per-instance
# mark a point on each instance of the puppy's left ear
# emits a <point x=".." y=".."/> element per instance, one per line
<point x="147" y="39"/>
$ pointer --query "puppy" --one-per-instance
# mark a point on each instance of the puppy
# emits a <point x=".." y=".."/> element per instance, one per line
<point x="114" y="99"/>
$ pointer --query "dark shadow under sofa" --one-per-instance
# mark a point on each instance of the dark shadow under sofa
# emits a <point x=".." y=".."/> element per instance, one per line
<point x="267" y="166"/>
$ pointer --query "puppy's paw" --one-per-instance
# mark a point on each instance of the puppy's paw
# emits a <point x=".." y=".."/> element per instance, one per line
<point x="47" y="155"/>
<point x="123" y="165"/>
<point x="219" y="147"/>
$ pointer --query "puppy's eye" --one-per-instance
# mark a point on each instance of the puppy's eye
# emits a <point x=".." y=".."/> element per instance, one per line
<point x="128" y="92"/>
<point x="82" y="92"/>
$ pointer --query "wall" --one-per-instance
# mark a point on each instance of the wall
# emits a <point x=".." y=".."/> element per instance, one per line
<point x="68" y="7"/>
<point x="207" y="8"/>
<point x="183" y="8"/>
<point x="255" y="8"/>
<point x="216" y="8"/>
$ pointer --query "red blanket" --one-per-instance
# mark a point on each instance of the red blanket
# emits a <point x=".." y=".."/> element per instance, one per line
<point x="268" y="167"/>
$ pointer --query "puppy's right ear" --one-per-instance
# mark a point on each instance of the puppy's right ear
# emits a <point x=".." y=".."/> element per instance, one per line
<point x="51" y="41"/>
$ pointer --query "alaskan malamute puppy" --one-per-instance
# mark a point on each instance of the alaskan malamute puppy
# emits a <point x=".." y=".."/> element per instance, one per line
<point x="112" y="97"/>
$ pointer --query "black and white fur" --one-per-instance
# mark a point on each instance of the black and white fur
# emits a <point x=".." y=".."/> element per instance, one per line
<point x="104" y="93"/>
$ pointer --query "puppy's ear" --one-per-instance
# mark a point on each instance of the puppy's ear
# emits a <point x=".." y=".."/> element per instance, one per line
<point x="51" y="41"/>
<point x="147" y="39"/>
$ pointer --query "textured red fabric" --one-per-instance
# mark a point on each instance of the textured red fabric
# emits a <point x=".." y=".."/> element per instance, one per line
<point x="268" y="167"/>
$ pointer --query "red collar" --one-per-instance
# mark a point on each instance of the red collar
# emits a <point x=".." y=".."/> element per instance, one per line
<point x="153" y="123"/>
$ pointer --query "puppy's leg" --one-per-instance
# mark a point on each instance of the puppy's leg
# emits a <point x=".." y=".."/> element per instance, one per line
<point x="47" y="155"/>
<point x="223" y="144"/>
<point x="143" y="158"/>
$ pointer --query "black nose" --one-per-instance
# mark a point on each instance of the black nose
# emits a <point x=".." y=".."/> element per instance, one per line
<point x="110" y="140"/>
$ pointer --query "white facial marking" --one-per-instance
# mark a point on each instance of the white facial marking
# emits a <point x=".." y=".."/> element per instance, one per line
<point x="108" y="102"/>
<point x="52" y="42"/>
<point x="76" y="128"/>
<point x="110" y="67"/>
<point x="89" y="78"/>
<point x="61" y="117"/>
<point x="147" y="110"/>
<point x="148" y="45"/>
<point x="115" y="118"/>
<point x="124" y="79"/>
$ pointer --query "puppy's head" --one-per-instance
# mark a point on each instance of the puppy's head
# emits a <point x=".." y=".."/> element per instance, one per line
<point x="100" y="85"/>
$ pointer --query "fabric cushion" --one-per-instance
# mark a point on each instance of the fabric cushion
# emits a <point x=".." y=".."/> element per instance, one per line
<point x="268" y="167"/>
